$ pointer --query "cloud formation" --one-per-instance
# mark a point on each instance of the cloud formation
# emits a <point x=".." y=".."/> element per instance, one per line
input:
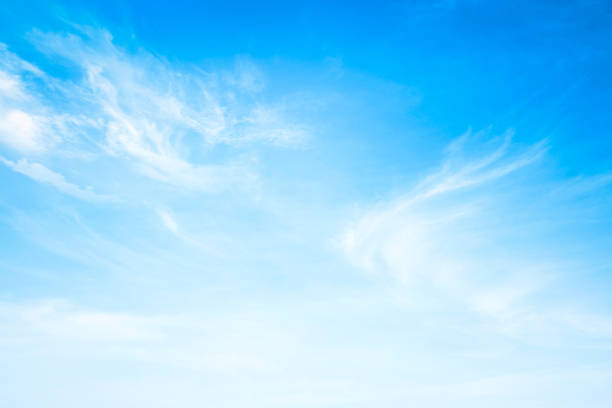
<point x="42" y="174"/>
<point x="400" y="235"/>
<point x="162" y="119"/>
<point x="465" y="234"/>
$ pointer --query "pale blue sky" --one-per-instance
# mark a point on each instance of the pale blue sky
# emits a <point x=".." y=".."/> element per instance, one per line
<point x="305" y="205"/>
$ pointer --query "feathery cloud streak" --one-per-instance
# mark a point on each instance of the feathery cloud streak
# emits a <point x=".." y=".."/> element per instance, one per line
<point x="467" y="232"/>
<point x="162" y="119"/>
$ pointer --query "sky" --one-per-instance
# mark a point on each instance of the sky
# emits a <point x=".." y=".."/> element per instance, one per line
<point x="305" y="204"/>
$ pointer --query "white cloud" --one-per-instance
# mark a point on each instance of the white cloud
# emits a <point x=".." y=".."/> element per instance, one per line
<point x="210" y="245"/>
<point x="42" y="174"/>
<point x="168" y="221"/>
<point x="13" y="64"/>
<point x="402" y="234"/>
<point x="10" y="86"/>
<point x="458" y="173"/>
<point x="26" y="124"/>
<point x="162" y="119"/>
<point x="448" y="235"/>
<point x="21" y="131"/>
<point x="61" y="320"/>
<point x="468" y="234"/>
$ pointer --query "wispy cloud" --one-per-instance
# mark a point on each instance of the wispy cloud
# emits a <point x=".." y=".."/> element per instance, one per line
<point x="168" y="221"/>
<point x="217" y="245"/>
<point x="162" y="119"/>
<point x="10" y="86"/>
<point x="460" y="172"/>
<point x="60" y="320"/>
<point x="42" y="174"/>
<point x="382" y="237"/>
<point x="465" y="233"/>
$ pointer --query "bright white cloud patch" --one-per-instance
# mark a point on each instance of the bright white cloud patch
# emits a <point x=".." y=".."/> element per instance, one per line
<point x="20" y="130"/>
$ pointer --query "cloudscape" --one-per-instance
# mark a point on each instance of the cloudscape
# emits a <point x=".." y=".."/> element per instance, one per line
<point x="305" y="204"/>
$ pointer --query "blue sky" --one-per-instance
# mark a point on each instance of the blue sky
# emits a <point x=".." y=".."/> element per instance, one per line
<point x="287" y="204"/>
